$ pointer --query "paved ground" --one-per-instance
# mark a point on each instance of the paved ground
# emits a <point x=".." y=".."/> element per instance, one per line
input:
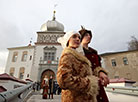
<point x="113" y="97"/>
<point x="37" y="97"/>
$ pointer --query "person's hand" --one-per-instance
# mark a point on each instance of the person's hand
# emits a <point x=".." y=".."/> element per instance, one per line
<point x="103" y="78"/>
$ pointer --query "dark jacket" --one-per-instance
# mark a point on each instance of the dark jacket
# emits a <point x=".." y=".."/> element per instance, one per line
<point x="51" y="86"/>
<point x="95" y="59"/>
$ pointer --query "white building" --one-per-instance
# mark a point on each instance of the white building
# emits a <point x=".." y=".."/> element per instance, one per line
<point x="34" y="62"/>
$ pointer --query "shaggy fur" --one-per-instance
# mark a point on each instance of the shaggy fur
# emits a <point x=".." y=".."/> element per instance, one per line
<point x="75" y="78"/>
<point x="99" y="69"/>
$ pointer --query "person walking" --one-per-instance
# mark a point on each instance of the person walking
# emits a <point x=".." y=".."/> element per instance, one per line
<point x="95" y="59"/>
<point x="74" y="75"/>
<point x="51" y="87"/>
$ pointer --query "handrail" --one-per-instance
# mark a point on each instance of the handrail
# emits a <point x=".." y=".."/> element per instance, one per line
<point x="123" y="90"/>
<point x="17" y="94"/>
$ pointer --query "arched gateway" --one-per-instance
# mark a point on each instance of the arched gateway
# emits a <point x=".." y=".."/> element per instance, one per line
<point x="48" y="73"/>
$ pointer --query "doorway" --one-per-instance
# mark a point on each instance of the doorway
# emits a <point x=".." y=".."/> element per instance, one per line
<point x="47" y="73"/>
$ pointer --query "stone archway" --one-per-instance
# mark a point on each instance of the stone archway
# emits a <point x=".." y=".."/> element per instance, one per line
<point x="49" y="73"/>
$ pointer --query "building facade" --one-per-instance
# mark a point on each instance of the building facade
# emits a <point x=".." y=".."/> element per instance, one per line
<point x="19" y="62"/>
<point x="35" y="61"/>
<point x="121" y="64"/>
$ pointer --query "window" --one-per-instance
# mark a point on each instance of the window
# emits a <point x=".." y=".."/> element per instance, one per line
<point x="49" y="56"/>
<point x="21" y="72"/>
<point x="27" y="75"/>
<point x="30" y="57"/>
<point x="113" y="62"/>
<point x="116" y="77"/>
<point x="24" y="56"/>
<point x="12" y="71"/>
<point x="125" y="61"/>
<point x="14" y="58"/>
<point x="49" y="53"/>
<point x="53" y="56"/>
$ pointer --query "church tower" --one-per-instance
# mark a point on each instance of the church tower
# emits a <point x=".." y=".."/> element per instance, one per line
<point x="47" y="50"/>
<point x="50" y="31"/>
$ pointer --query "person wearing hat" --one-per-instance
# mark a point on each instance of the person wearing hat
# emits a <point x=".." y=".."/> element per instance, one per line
<point x="94" y="58"/>
<point x="74" y="74"/>
<point x="45" y="87"/>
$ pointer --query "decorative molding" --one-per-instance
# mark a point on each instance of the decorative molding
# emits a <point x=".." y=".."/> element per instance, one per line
<point x="50" y="48"/>
<point x="43" y="43"/>
<point x="48" y="38"/>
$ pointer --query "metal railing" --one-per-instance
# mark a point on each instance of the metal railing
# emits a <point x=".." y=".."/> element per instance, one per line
<point x="16" y="95"/>
<point x="123" y="90"/>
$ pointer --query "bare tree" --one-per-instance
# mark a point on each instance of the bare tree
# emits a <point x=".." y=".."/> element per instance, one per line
<point x="133" y="43"/>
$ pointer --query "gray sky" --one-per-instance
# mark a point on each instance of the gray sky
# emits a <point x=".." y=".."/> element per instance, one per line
<point x="111" y="21"/>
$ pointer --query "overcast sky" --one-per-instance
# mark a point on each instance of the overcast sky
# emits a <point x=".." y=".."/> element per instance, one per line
<point x="111" y="21"/>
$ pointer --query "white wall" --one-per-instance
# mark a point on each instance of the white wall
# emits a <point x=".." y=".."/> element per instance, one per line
<point x="39" y="53"/>
<point x="31" y="66"/>
<point x="18" y="64"/>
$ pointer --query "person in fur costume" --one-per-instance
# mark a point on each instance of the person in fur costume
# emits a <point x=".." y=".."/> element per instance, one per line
<point x="74" y="74"/>
<point x="94" y="58"/>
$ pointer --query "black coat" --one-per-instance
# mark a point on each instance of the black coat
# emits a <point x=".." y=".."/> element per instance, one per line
<point x="51" y="85"/>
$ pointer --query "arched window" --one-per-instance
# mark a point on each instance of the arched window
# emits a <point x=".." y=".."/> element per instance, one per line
<point x="24" y="56"/>
<point x="14" y="58"/>
<point x="21" y="72"/>
<point x="12" y="69"/>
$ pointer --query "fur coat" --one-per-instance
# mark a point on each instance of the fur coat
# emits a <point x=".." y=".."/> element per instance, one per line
<point x="75" y="77"/>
